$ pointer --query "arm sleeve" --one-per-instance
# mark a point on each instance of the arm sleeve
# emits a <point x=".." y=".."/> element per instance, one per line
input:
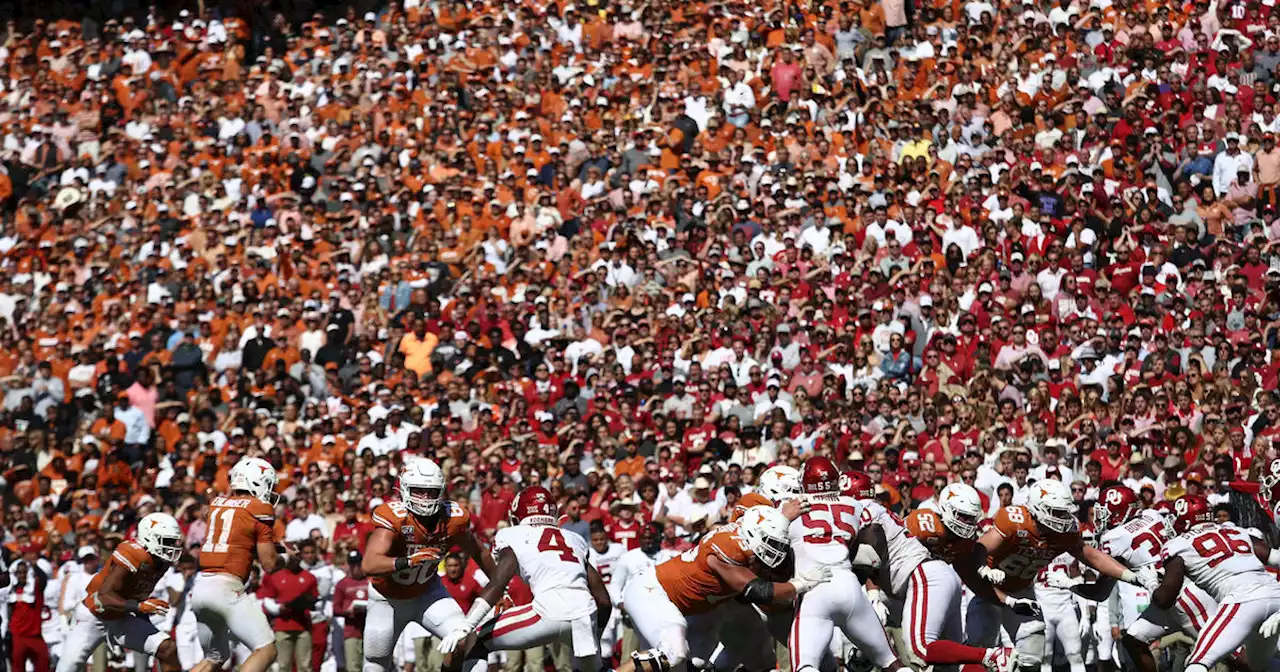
<point x="621" y="571"/>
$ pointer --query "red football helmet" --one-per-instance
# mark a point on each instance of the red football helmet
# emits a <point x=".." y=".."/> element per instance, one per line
<point x="820" y="477"/>
<point x="1189" y="511"/>
<point x="857" y="485"/>
<point x="533" y="502"/>
<point x="1115" y="507"/>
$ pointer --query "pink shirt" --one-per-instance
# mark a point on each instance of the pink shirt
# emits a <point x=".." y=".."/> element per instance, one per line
<point x="785" y="76"/>
<point x="145" y="401"/>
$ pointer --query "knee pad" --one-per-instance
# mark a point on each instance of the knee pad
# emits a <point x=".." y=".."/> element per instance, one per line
<point x="652" y="660"/>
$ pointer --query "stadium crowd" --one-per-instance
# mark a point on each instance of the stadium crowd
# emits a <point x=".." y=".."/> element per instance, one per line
<point x="635" y="252"/>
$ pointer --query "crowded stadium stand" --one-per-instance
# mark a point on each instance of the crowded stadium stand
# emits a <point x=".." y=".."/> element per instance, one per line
<point x="639" y="335"/>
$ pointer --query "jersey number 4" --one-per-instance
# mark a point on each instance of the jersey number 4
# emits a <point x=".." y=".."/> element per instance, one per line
<point x="824" y="521"/>
<point x="553" y="542"/>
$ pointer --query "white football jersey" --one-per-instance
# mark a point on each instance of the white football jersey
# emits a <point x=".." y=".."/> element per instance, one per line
<point x="1047" y="594"/>
<point x="1220" y="560"/>
<point x="554" y="564"/>
<point x="632" y="564"/>
<point x="905" y="551"/>
<point x="822" y="536"/>
<point x="1137" y="543"/>
<point x="603" y="562"/>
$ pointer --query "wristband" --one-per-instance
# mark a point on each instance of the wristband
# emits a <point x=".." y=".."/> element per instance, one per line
<point x="1128" y="576"/>
<point x="402" y="563"/>
<point x="480" y="610"/>
<point x="131" y="606"/>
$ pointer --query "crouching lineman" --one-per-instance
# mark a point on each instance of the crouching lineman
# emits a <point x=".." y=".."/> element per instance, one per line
<point x="822" y="539"/>
<point x="570" y="600"/>
<point x="402" y="555"/>
<point x="119" y="604"/>
<point x="925" y="558"/>
<point x="1136" y="539"/>
<point x="1022" y="541"/>
<point x="678" y="598"/>
<point x="1227" y="563"/>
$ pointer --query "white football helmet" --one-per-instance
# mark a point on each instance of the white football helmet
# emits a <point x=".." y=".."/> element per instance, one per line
<point x="960" y="510"/>
<point x="160" y="534"/>
<point x="1051" y="505"/>
<point x="764" y="530"/>
<point x="422" y="487"/>
<point x="780" y="484"/>
<point x="255" y="476"/>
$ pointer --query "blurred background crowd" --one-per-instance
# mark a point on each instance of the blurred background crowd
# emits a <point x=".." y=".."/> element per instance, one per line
<point x="635" y="251"/>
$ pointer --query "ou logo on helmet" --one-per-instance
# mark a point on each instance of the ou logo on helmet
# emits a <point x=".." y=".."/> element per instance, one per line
<point x="1180" y="507"/>
<point x="1114" y="497"/>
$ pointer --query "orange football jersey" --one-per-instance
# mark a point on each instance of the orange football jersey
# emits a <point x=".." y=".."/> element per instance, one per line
<point x="237" y="524"/>
<point x="144" y="573"/>
<point x="745" y="502"/>
<point x="688" y="579"/>
<point x="412" y="536"/>
<point x="926" y="526"/>
<point x="1024" y="550"/>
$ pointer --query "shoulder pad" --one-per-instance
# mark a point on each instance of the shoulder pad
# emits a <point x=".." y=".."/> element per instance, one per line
<point x="262" y="511"/>
<point x="389" y="515"/>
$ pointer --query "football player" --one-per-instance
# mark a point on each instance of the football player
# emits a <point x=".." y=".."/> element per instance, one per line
<point x="570" y="601"/>
<point x="119" y="605"/>
<point x="673" y="606"/>
<point x="1228" y="564"/>
<point x="1022" y="541"/>
<point x="402" y="557"/>
<point x="241" y="530"/>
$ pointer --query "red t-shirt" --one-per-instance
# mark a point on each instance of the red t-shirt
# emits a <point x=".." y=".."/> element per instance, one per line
<point x="494" y="507"/>
<point x="284" y="587"/>
<point x="464" y="591"/>
<point x="345" y="595"/>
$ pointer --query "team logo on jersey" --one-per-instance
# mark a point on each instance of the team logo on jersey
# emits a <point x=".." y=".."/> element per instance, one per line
<point x="1022" y="532"/>
<point x="407" y="530"/>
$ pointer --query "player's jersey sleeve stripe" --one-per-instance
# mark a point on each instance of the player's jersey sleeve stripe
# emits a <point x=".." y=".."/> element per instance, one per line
<point x="120" y="558"/>
<point x="383" y="522"/>
<point x="724" y="556"/>
<point x="263" y="518"/>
